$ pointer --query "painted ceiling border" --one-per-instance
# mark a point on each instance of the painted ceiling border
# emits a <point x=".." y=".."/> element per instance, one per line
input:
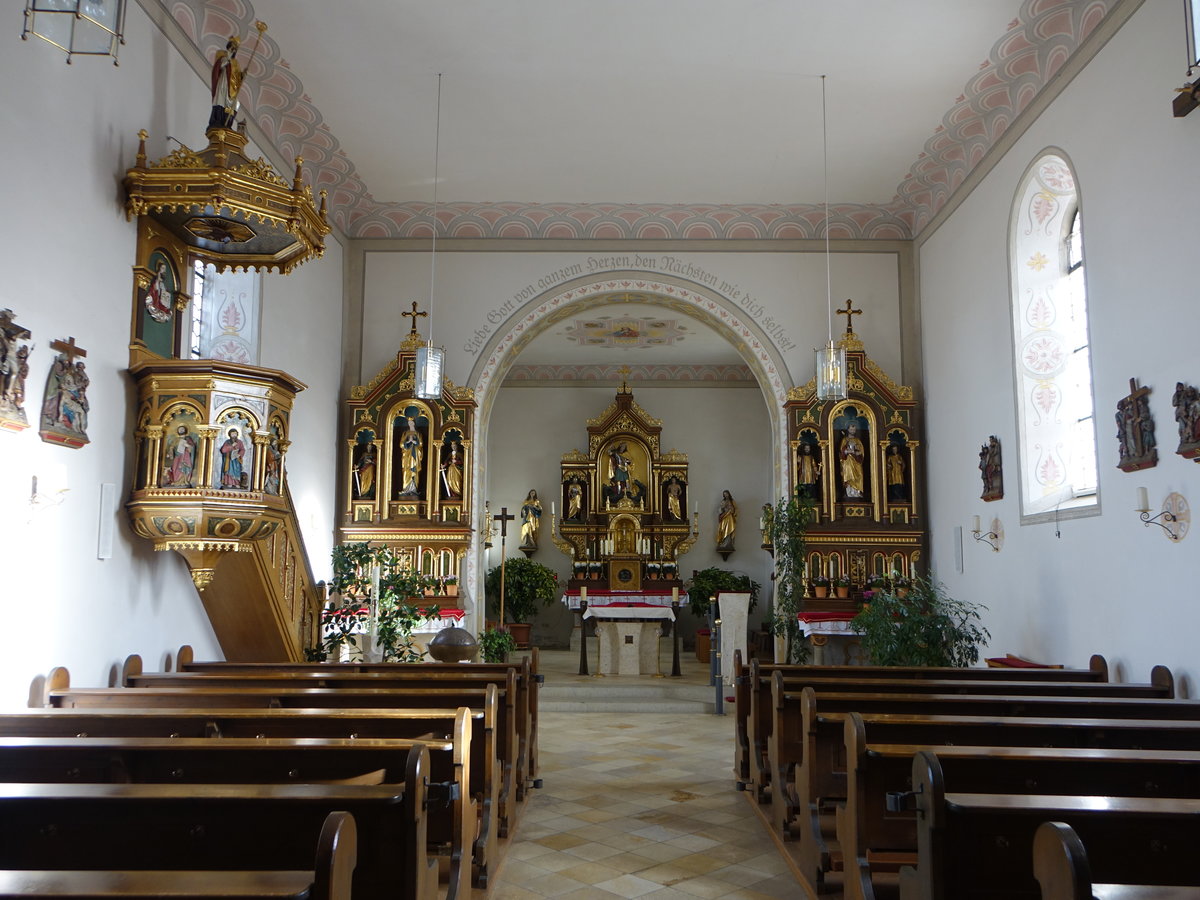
<point x="1021" y="65"/>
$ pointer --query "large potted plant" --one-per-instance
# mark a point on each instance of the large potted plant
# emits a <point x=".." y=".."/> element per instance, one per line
<point x="528" y="586"/>
<point x="373" y="587"/>
<point x="788" y="527"/>
<point x="706" y="584"/>
<point x="927" y="627"/>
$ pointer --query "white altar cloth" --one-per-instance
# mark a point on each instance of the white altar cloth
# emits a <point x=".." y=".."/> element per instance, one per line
<point x="608" y="598"/>
<point x="629" y="612"/>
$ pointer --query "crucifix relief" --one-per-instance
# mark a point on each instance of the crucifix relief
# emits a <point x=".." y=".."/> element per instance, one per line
<point x="1135" y="430"/>
<point x="413" y="315"/>
<point x="65" y="408"/>
<point x="14" y="367"/>
<point x="849" y="312"/>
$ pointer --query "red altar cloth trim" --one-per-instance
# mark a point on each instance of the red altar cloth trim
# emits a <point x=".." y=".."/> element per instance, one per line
<point x="825" y="616"/>
<point x="459" y="614"/>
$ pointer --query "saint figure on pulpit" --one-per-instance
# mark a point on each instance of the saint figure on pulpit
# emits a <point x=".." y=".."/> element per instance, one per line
<point x="852" y="455"/>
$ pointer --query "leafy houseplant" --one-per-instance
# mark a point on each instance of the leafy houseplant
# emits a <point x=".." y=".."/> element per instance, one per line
<point x="495" y="645"/>
<point x="926" y="628"/>
<point x="709" y="582"/>
<point x="528" y="585"/>
<point x="788" y="526"/>
<point x="357" y="569"/>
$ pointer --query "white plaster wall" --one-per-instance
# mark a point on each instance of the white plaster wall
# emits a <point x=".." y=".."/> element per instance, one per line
<point x="71" y="134"/>
<point x="725" y="433"/>
<point x="480" y="295"/>
<point x="1104" y="584"/>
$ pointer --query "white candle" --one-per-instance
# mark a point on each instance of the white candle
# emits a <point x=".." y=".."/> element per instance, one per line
<point x="975" y="527"/>
<point x="1143" y="500"/>
<point x="552" y="509"/>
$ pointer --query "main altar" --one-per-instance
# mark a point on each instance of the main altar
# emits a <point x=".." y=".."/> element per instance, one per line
<point x="624" y="504"/>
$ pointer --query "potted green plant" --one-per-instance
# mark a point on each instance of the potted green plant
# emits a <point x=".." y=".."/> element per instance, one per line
<point x="528" y="586"/>
<point x="789" y="524"/>
<point x="926" y="628"/>
<point x="450" y="586"/>
<point x="495" y="645"/>
<point x="709" y="582"/>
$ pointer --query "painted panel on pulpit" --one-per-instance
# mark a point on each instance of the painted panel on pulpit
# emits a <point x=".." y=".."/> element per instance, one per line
<point x="235" y="452"/>
<point x="157" y="324"/>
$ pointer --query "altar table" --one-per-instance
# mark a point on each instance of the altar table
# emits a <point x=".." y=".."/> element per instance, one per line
<point x="647" y="596"/>
<point x="628" y="637"/>
<point x="830" y="635"/>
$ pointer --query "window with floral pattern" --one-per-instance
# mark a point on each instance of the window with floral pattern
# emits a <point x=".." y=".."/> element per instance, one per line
<point x="224" y="314"/>
<point x="1052" y="361"/>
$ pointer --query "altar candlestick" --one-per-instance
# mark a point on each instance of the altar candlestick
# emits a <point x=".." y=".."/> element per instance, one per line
<point x="583" y="594"/>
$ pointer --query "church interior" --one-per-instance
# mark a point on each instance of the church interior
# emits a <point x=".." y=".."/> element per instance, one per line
<point x="628" y="228"/>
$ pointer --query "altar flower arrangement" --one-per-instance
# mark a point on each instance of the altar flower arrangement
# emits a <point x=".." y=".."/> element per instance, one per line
<point x="820" y="581"/>
<point x="841" y="581"/>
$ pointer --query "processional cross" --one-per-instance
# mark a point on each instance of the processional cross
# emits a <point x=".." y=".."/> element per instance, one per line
<point x="504" y="518"/>
<point x="848" y="312"/>
<point x="413" y="315"/>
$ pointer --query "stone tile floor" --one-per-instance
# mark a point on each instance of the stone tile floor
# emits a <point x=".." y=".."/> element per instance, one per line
<point x="640" y="805"/>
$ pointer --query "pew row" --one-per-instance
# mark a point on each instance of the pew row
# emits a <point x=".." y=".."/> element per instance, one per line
<point x="1061" y="867"/>
<point x="329" y="879"/>
<point x="238" y="827"/>
<point x="450" y="820"/>
<point x="477" y="772"/>
<point x="877" y="825"/>
<point x="753" y="711"/>
<point x="973" y="846"/>
<point x="521" y="676"/>
<point x="785" y="745"/>
<point x="526" y="668"/>
<point x="59" y="694"/>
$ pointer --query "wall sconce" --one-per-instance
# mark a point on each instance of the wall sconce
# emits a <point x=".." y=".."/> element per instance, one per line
<point x="77" y="27"/>
<point x="991" y="538"/>
<point x="1175" y="516"/>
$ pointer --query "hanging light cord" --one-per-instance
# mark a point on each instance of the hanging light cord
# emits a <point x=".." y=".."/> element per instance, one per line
<point x="437" y="147"/>
<point x="825" y="163"/>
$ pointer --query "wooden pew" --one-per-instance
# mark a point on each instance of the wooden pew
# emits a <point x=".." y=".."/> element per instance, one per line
<point x="1061" y="867"/>
<point x="230" y="826"/>
<point x="527" y="674"/>
<point x="59" y="694"/>
<point x="520" y="677"/>
<point x="483" y="778"/>
<point x="329" y="879"/>
<point x="975" y="846"/>
<point x="264" y="761"/>
<point x="800" y="791"/>
<point x="753" y="709"/>
<point x="785" y="745"/>
<point x="874" y="826"/>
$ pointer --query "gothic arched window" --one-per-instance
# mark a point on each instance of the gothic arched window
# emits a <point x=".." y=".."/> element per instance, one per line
<point x="1052" y="361"/>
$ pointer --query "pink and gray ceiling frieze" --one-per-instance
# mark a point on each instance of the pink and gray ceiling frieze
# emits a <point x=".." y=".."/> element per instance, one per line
<point x="1035" y="47"/>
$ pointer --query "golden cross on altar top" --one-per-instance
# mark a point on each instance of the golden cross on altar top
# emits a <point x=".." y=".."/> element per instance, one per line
<point x="68" y="348"/>
<point x="413" y="315"/>
<point x="624" y="372"/>
<point x="848" y="312"/>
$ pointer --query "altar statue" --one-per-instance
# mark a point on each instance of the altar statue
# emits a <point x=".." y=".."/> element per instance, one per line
<point x="452" y="473"/>
<point x="574" y="500"/>
<point x="808" y="470"/>
<point x="852" y="456"/>
<point x="531" y="519"/>
<point x="674" y="492"/>
<point x="411" y="454"/>
<point x="896" y="487"/>
<point x="726" y="521"/>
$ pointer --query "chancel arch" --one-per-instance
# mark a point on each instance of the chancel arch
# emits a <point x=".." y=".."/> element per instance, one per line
<point x="767" y="376"/>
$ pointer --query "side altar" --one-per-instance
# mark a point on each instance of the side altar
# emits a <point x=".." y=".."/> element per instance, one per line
<point x="405" y="470"/>
<point x="860" y="462"/>
<point x="624" y="504"/>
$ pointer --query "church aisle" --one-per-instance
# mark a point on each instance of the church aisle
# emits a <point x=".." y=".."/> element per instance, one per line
<point x="643" y="806"/>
